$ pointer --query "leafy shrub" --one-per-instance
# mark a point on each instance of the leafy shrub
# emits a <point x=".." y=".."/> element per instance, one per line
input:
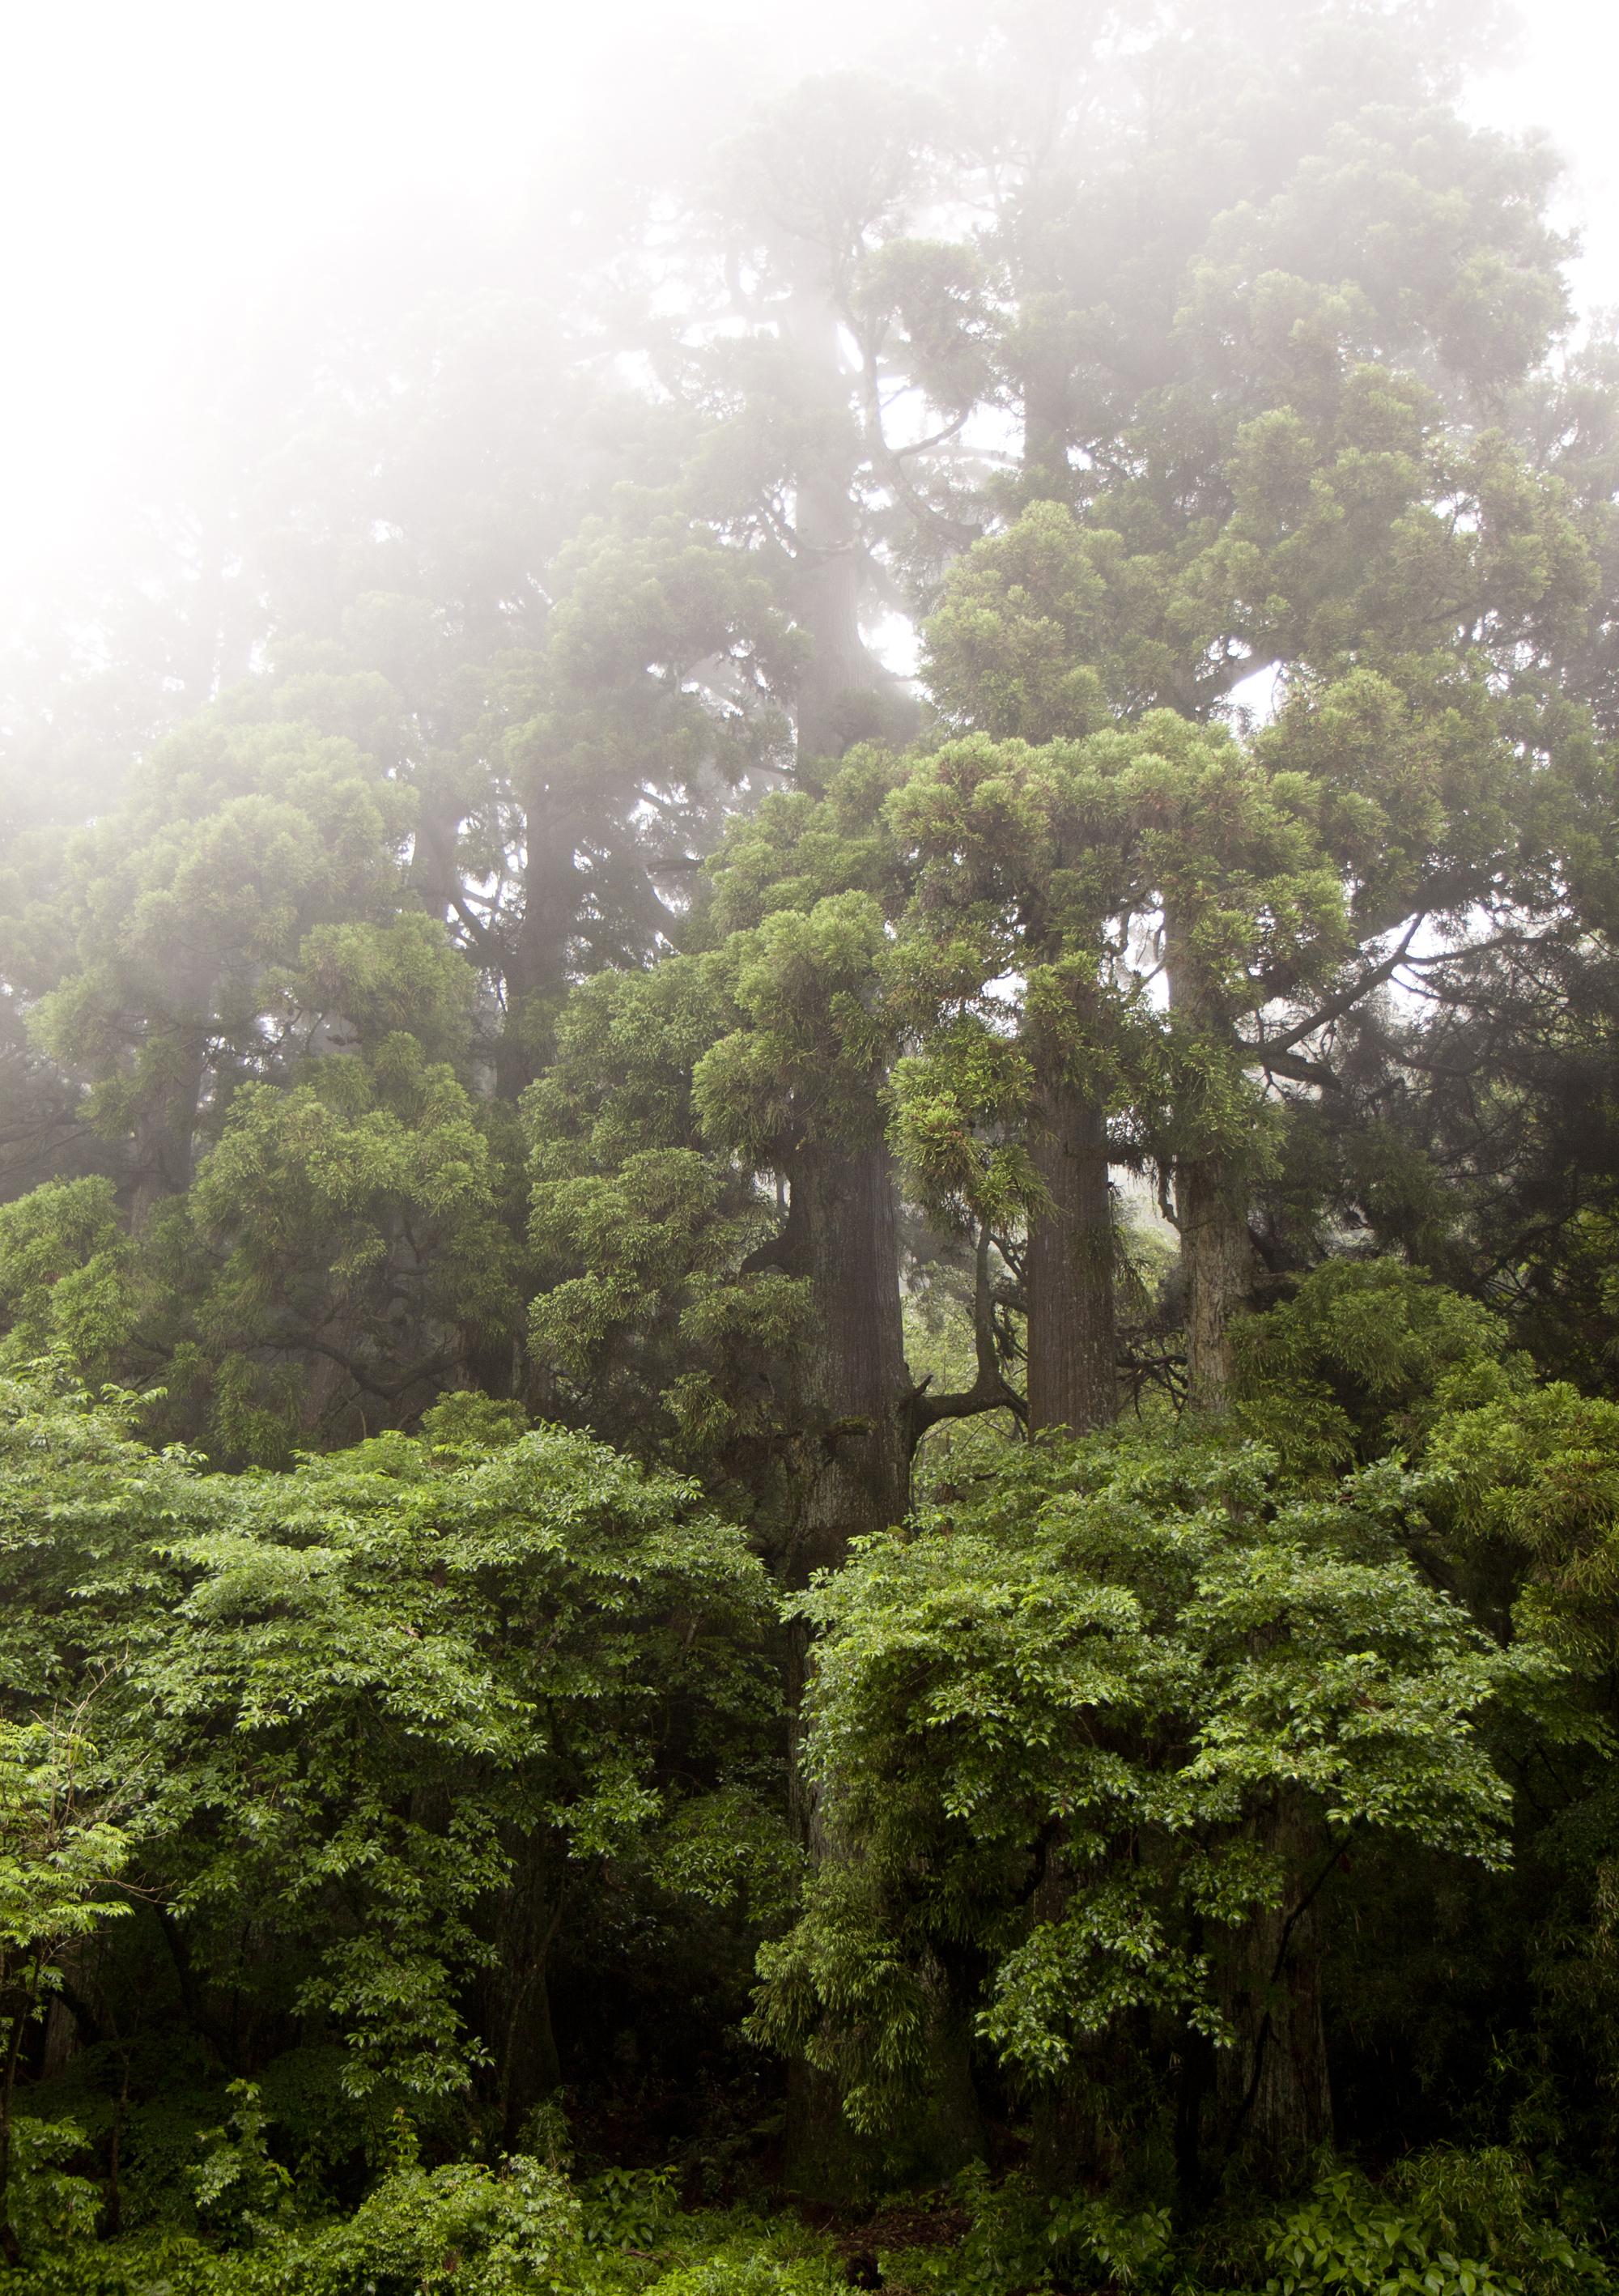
<point x="462" y="2226"/>
<point x="1019" y="2238"/>
<point x="1452" y="2224"/>
<point x="48" y="2207"/>
<point x="757" y="2260"/>
<point x="627" y="2208"/>
<point x="482" y="2233"/>
<point x="241" y="2193"/>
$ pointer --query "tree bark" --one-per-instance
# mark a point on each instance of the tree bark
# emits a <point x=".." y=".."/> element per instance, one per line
<point x="1073" y="1345"/>
<point x="843" y="1234"/>
<point x="1218" y="1266"/>
<point x="1072" y="1372"/>
<point x="1047" y="396"/>
<point x="518" y="1990"/>
<point x="1212" y="1212"/>
<point x="537" y="974"/>
<point x="852" y="1471"/>
<point x="1279" y="2084"/>
<point x="165" y="1129"/>
<point x="828" y="578"/>
<point x="842" y="1231"/>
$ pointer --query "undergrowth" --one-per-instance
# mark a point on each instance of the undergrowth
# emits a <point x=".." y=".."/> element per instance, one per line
<point x="1444" y="2223"/>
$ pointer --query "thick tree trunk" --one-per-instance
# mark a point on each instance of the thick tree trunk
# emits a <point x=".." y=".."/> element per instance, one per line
<point x="435" y="879"/>
<point x="1073" y="1349"/>
<point x="166" y="1129"/>
<point x="1072" y="1372"/>
<point x="828" y="578"/>
<point x="1212" y="1212"/>
<point x="840" y="670"/>
<point x="518" y="1990"/>
<point x="1279" y="2091"/>
<point x="536" y="969"/>
<point x="1047" y="396"/>
<point x="1217" y="1267"/>
<point x="843" y="1233"/>
<point x="852" y="1473"/>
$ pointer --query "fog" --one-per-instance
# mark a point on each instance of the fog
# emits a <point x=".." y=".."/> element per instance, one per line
<point x="732" y="790"/>
<point x="1562" y="80"/>
<point x="168" y="173"/>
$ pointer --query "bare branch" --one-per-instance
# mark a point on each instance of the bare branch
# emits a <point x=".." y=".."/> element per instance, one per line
<point x="989" y="1391"/>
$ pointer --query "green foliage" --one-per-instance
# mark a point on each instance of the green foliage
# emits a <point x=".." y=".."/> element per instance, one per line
<point x="1034" y="868"/>
<point x="516" y="2229"/>
<point x="745" y="2258"/>
<point x="468" y="1421"/>
<point x="1010" y="647"/>
<point x="807" y="1063"/>
<point x="48" y="2206"/>
<point x="627" y="2209"/>
<point x="641" y="1230"/>
<point x="1450" y="2222"/>
<point x="1118" y="1655"/>
<point x="468" y="957"/>
<point x="489" y="1646"/>
<point x="1368" y="1356"/>
<point x="358" y="1707"/>
<point x="1453" y="2225"/>
<point x="237" y="840"/>
<point x="461" y="2225"/>
<point x="511" y="2233"/>
<point x="64" y="1268"/>
<point x="679" y="1137"/>
<point x="241" y="2193"/>
<point x="61" y="1857"/>
<point x="59" y="1849"/>
<point x="1019" y="2238"/>
<point x="370" y="1225"/>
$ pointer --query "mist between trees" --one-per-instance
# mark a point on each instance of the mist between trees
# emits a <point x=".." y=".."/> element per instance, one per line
<point x="772" y="1434"/>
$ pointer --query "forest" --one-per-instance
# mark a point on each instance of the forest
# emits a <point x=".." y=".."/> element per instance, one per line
<point x="809" y="1223"/>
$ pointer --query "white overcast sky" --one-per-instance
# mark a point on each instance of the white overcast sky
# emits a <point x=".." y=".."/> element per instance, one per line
<point x="162" y="163"/>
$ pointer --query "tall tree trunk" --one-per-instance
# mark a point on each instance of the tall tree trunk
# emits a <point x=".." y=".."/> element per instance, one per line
<point x="829" y="575"/>
<point x="843" y="1233"/>
<point x="435" y="879"/>
<point x="1043" y="325"/>
<point x="516" y="1989"/>
<point x="827" y="599"/>
<point x="852" y="1470"/>
<point x="166" y="1125"/>
<point x="536" y="969"/>
<point x="1072" y="1372"/>
<point x="1212" y="1212"/>
<point x="1278" y="2084"/>
<point x="1073" y="1341"/>
<point x="1217" y="1267"/>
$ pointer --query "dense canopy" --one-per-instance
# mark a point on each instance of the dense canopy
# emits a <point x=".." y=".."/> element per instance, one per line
<point x="775" y="1426"/>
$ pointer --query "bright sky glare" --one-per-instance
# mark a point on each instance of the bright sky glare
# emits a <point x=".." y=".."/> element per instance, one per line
<point x="165" y="164"/>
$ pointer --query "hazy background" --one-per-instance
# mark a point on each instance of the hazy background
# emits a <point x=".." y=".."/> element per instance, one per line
<point x="168" y="170"/>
